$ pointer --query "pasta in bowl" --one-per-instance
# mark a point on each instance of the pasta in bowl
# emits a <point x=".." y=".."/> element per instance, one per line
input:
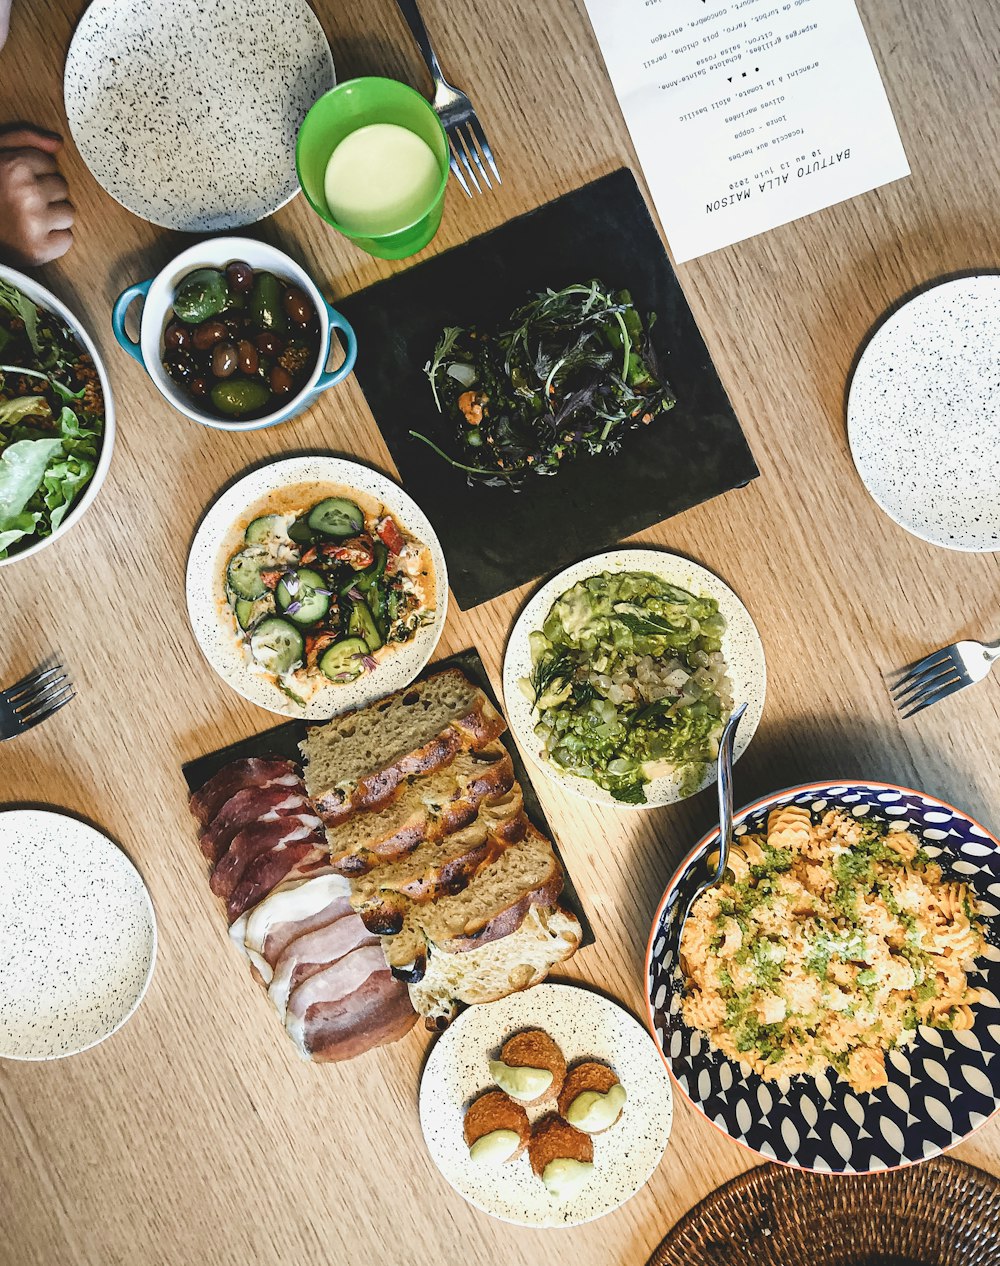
<point x="833" y="1003"/>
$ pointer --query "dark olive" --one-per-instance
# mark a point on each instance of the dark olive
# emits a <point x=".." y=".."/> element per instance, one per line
<point x="180" y="366"/>
<point x="297" y="305"/>
<point x="249" y="360"/>
<point x="240" y="276"/>
<point x="281" y="381"/>
<point x="176" y="337"/>
<point x="208" y="334"/>
<point x="198" y="386"/>
<point x="270" y="344"/>
<point x="224" y="360"/>
<point x="238" y="396"/>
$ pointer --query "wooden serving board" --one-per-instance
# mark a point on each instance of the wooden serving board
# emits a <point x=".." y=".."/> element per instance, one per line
<point x="282" y="741"/>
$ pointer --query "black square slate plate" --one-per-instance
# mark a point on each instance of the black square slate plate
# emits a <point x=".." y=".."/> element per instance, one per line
<point x="495" y="539"/>
<point x="282" y="742"/>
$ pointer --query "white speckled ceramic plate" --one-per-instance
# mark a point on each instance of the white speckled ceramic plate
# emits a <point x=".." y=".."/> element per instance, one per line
<point x="923" y="415"/>
<point x="212" y="619"/>
<point x="741" y="647"/>
<point x="77" y="935"/>
<point x="186" y="111"/>
<point x="586" y="1026"/>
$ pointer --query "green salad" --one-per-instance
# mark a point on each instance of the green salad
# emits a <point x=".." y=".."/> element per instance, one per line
<point x="51" y="421"/>
<point x="629" y="683"/>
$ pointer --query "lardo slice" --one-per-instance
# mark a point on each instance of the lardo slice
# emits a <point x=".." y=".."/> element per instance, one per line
<point x="292" y="909"/>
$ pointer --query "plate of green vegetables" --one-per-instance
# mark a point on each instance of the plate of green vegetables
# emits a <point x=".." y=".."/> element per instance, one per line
<point x="621" y="672"/>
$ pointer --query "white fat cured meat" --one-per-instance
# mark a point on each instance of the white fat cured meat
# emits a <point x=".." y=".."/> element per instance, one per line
<point x="264" y="931"/>
<point x="317" y="951"/>
<point x="344" y="977"/>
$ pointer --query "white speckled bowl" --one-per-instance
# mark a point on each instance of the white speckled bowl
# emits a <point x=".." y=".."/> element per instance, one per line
<point x="585" y="1025"/>
<point x="923" y="415"/>
<point x="212" y="620"/>
<point x="186" y="112"/>
<point x="77" y="936"/>
<point x="741" y="646"/>
<point x="46" y="299"/>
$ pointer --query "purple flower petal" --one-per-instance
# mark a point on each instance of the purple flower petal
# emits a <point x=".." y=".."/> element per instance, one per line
<point x="371" y="663"/>
<point x="293" y="608"/>
<point x="291" y="582"/>
<point x="355" y="594"/>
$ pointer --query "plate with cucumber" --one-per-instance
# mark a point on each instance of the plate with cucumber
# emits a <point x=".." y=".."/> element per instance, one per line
<point x="315" y="585"/>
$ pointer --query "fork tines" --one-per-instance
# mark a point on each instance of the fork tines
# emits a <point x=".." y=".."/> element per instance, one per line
<point x="38" y="696"/>
<point x="469" y="147"/>
<point x="928" y="681"/>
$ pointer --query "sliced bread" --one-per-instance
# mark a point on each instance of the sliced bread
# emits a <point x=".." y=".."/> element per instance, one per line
<point x="548" y="935"/>
<point x="494" y="904"/>
<point x="446" y="864"/>
<point x="425" y="809"/>
<point x="358" y="761"/>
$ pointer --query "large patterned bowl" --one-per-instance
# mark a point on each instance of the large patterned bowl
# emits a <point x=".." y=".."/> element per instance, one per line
<point x="941" y="1088"/>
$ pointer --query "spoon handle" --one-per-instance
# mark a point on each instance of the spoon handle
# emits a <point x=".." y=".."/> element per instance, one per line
<point x="725" y="785"/>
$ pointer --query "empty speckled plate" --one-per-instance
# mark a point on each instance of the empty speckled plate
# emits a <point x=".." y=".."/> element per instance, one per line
<point x="585" y="1025"/>
<point x="77" y="936"/>
<point x="186" y="112"/>
<point x="741" y="647"/>
<point x="290" y="485"/>
<point x="924" y="412"/>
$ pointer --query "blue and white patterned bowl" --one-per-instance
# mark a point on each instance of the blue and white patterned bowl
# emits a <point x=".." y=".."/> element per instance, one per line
<point x="941" y="1088"/>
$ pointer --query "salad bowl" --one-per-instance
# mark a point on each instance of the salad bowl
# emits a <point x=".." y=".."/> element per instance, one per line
<point x="46" y="300"/>
<point x="158" y="293"/>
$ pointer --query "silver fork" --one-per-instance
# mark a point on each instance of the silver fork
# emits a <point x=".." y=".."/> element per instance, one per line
<point x="33" y="699"/>
<point x="466" y="137"/>
<point x="941" y="673"/>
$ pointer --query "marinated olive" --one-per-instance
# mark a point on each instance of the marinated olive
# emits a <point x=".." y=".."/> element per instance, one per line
<point x="201" y="295"/>
<point x="225" y="359"/>
<point x="176" y="336"/>
<point x="207" y="335"/>
<point x="180" y="366"/>
<point x="240" y="276"/>
<point x="297" y="305"/>
<point x="198" y="386"/>
<point x="238" y="396"/>
<point x="281" y="381"/>
<point x="270" y="344"/>
<point x="249" y="360"/>
<point x="265" y="303"/>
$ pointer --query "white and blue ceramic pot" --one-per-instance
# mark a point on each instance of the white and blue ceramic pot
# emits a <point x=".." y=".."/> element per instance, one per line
<point x="217" y="252"/>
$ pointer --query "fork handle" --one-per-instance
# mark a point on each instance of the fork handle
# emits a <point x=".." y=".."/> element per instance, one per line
<point x="409" y="10"/>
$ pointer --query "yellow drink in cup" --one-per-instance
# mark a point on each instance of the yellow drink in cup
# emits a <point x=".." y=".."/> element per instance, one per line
<point x="373" y="161"/>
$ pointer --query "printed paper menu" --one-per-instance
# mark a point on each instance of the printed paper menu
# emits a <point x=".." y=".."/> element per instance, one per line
<point x="747" y="114"/>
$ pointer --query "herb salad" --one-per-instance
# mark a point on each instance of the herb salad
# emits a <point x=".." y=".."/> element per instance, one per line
<point x="52" y="421"/>
<point x="629" y="683"/>
<point x="570" y="374"/>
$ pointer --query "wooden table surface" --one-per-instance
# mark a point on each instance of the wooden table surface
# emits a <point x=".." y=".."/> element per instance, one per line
<point x="195" y="1135"/>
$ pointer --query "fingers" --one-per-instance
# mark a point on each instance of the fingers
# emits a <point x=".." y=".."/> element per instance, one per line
<point x="60" y="215"/>
<point x="35" y="160"/>
<point x="30" y="138"/>
<point x="53" y="187"/>
<point x="57" y="244"/>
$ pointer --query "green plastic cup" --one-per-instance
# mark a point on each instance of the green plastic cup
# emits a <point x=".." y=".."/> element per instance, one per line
<point x="343" y="110"/>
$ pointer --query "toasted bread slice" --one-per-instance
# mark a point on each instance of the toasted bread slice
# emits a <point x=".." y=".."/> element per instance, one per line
<point x="358" y="761"/>
<point x="552" y="1138"/>
<point x="548" y="935"/>
<point x="588" y="1075"/>
<point x="496" y="1111"/>
<point x="534" y="1048"/>
<point x="426" y="808"/>
<point x="494" y="904"/>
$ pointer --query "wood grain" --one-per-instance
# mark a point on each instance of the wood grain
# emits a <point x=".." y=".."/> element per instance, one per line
<point x="195" y="1135"/>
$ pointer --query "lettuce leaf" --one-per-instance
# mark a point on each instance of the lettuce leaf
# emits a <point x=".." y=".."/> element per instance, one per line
<point x="62" y="481"/>
<point x="21" y="407"/>
<point x="22" y="469"/>
<point x="19" y="305"/>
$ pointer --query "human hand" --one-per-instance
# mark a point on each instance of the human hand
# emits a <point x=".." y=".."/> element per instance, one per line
<point x="36" y="217"/>
<point x="4" y="21"/>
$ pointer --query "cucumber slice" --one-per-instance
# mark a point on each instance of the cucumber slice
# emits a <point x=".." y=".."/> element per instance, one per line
<point x="313" y="606"/>
<point x="244" y="612"/>
<point x="362" y="624"/>
<point x="265" y="528"/>
<point x="243" y="572"/>
<point x="301" y="533"/>
<point x="342" y="662"/>
<point x="336" y="517"/>
<point x="277" y="645"/>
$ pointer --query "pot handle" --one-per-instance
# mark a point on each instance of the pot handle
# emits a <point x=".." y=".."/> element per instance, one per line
<point x="338" y="322"/>
<point x="122" y="305"/>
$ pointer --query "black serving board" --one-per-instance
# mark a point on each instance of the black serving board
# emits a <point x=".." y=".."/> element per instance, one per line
<point x="282" y="742"/>
<point x="496" y="539"/>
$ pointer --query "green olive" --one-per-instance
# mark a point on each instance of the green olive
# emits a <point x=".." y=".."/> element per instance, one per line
<point x="236" y="396"/>
<point x="266" y="307"/>
<point x="202" y="294"/>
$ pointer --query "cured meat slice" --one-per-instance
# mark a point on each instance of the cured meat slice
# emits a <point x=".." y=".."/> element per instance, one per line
<point x="315" y="951"/>
<point x="267" y="871"/>
<point x="295" y="907"/>
<point x="336" y="981"/>
<point x="246" y="806"/>
<point x="255" y="839"/>
<point x="254" y="771"/>
<point x="377" y="1012"/>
